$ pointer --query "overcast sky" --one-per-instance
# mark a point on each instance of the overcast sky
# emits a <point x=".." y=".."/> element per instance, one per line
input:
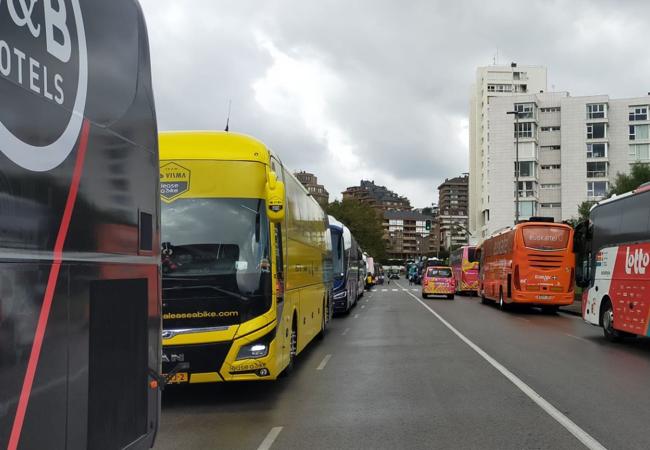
<point x="377" y="89"/>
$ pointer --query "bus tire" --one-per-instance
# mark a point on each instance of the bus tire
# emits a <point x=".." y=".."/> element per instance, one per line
<point x="484" y="299"/>
<point x="607" y="320"/>
<point x="450" y="296"/>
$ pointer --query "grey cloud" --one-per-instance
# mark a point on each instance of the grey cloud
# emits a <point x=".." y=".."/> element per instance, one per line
<point x="406" y="71"/>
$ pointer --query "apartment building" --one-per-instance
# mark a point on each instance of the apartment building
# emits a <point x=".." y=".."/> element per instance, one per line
<point x="408" y="234"/>
<point x="492" y="82"/>
<point x="318" y="191"/>
<point x="570" y="150"/>
<point x="379" y="197"/>
<point x="452" y="219"/>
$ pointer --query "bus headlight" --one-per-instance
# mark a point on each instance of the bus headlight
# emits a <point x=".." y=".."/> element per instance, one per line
<point x="254" y="350"/>
<point x="340" y="295"/>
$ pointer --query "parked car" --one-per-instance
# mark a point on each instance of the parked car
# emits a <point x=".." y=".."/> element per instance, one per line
<point x="438" y="280"/>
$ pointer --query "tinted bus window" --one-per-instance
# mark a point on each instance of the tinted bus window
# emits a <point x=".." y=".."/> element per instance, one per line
<point x="546" y="238"/>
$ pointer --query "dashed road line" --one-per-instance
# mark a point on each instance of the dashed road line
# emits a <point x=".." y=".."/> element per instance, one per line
<point x="384" y="290"/>
<point x="270" y="438"/>
<point x="551" y="410"/>
<point x="363" y="306"/>
<point x="355" y="316"/>
<point x="395" y="290"/>
<point x="577" y="337"/>
<point x="345" y="332"/>
<point x="322" y="364"/>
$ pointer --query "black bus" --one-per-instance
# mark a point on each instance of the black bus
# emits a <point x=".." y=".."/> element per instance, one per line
<point x="79" y="227"/>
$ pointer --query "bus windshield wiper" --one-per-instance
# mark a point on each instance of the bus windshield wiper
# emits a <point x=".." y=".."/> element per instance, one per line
<point x="204" y="286"/>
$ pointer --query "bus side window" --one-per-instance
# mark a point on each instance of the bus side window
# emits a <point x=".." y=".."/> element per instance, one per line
<point x="279" y="263"/>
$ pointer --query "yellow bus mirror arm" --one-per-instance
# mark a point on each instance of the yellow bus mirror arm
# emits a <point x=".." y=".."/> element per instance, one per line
<point x="275" y="195"/>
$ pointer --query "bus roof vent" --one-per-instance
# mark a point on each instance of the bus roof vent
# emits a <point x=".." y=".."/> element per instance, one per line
<point x="541" y="219"/>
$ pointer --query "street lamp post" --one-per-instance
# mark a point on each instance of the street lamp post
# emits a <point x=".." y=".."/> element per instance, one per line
<point x="516" y="113"/>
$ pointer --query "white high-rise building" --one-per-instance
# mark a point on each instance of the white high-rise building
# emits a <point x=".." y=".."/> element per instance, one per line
<point x="570" y="150"/>
<point x="491" y="82"/>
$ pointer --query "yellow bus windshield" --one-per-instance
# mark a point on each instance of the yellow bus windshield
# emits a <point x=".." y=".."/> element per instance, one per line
<point x="216" y="248"/>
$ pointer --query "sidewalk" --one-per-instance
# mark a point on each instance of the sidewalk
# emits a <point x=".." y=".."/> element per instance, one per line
<point x="575" y="308"/>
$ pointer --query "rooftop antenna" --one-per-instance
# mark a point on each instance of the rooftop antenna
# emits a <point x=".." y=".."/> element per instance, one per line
<point x="228" y="118"/>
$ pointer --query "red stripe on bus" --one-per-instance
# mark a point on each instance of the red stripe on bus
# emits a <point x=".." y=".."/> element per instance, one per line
<point x="44" y="315"/>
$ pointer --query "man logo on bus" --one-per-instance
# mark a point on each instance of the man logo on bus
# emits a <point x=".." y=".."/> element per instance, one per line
<point x="43" y="53"/>
<point x="636" y="262"/>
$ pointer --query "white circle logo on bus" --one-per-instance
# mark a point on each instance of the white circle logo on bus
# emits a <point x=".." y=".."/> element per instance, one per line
<point x="46" y="22"/>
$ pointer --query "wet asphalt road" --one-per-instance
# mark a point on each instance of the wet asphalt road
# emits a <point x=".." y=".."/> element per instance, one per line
<point x="392" y="375"/>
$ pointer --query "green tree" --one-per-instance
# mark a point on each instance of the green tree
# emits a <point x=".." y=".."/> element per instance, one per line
<point x="584" y="208"/>
<point x="363" y="222"/>
<point x="639" y="174"/>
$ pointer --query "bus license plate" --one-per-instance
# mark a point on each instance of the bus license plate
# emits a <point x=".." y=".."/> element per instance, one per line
<point x="180" y="377"/>
<point x="544" y="297"/>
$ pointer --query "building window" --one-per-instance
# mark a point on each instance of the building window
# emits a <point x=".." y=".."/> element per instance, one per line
<point x="638" y="113"/>
<point x="640" y="152"/>
<point x="596" y="189"/>
<point x="551" y="109"/>
<point x="596" y="131"/>
<point x="526" y="189"/>
<point x="551" y="205"/>
<point x="596" y="111"/>
<point x="499" y="88"/>
<point x="556" y="128"/>
<point x="639" y="132"/>
<point x="550" y="147"/>
<point x="551" y="166"/>
<point x="551" y="186"/>
<point x="524" y="130"/>
<point x="525" y="110"/>
<point x="596" y="169"/>
<point x="527" y="209"/>
<point x="527" y="168"/>
<point x="527" y="150"/>
<point x="597" y="150"/>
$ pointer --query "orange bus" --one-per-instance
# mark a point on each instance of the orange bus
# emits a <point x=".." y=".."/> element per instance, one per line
<point x="464" y="264"/>
<point x="531" y="263"/>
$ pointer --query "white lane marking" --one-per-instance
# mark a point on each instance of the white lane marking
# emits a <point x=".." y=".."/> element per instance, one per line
<point x="384" y="290"/>
<point x="345" y="332"/>
<point x="322" y="364"/>
<point x="414" y="289"/>
<point x="355" y="316"/>
<point x="577" y="337"/>
<point x="395" y="290"/>
<point x="551" y="410"/>
<point x="270" y="438"/>
<point x="363" y="306"/>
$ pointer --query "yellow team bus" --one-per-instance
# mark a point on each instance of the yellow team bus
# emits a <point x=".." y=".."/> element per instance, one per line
<point x="246" y="260"/>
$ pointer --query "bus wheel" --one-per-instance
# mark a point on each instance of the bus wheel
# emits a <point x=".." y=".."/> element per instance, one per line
<point x="503" y="306"/>
<point x="484" y="299"/>
<point x="450" y="296"/>
<point x="607" y="319"/>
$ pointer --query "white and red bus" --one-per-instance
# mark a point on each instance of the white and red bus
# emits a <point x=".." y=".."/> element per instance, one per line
<point x="613" y="251"/>
<point x="464" y="264"/>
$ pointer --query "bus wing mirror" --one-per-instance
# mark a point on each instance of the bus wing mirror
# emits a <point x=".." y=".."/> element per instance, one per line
<point x="275" y="194"/>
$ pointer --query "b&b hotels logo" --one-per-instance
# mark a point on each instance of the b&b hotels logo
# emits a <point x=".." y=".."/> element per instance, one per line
<point x="42" y="52"/>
